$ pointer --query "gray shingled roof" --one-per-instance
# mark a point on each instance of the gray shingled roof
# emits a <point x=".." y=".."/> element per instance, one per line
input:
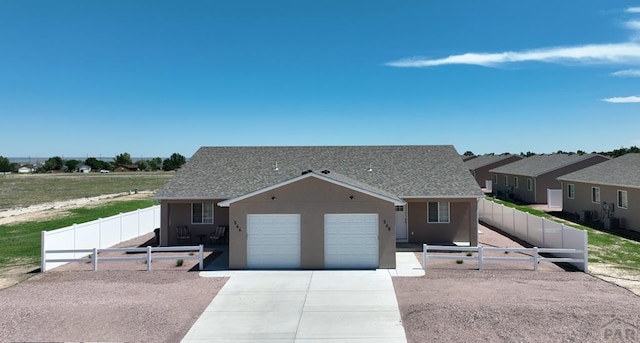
<point x="540" y="164"/>
<point x="622" y="171"/>
<point x="485" y="160"/>
<point x="228" y="172"/>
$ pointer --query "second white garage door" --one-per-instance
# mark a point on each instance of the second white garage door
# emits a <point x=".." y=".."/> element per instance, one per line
<point x="273" y="241"/>
<point x="351" y="241"/>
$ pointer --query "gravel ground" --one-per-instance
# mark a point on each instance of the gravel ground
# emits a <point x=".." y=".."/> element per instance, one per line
<point x="509" y="302"/>
<point x="119" y="303"/>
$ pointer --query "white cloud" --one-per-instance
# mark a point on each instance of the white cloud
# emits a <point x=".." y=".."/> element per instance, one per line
<point x="627" y="73"/>
<point x="617" y="53"/>
<point x="623" y="100"/>
<point x="632" y="24"/>
<point x="633" y="10"/>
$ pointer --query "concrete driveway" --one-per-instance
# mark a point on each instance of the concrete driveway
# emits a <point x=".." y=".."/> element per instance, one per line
<point x="302" y="306"/>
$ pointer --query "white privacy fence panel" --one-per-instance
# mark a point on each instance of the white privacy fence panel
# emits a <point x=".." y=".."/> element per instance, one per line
<point x="537" y="231"/>
<point x="101" y="233"/>
<point x="488" y="186"/>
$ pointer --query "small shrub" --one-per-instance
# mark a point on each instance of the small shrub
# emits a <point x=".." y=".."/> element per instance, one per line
<point x="469" y="253"/>
<point x="459" y="261"/>
<point x="190" y="254"/>
<point x="506" y="252"/>
<point x="179" y="263"/>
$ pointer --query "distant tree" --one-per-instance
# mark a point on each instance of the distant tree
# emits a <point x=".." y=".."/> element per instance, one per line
<point x="155" y="163"/>
<point x="72" y="165"/>
<point x="5" y="164"/>
<point x="580" y="152"/>
<point x="53" y="163"/>
<point x="96" y="164"/>
<point x="142" y="164"/>
<point x="528" y="154"/>
<point x="123" y="158"/>
<point x="468" y="153"/>
<point x="174" y="162"/>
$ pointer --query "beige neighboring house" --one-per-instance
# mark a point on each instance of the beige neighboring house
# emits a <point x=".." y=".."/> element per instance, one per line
<point x="321" y="207"/>
<point x="527" y="180"/>
<point x="607" y="190"/>
<point x="480" y="166"/>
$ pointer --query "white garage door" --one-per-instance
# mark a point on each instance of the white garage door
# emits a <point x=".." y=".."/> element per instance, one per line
<point x="351" y="241"/>
<point x="273" y="241"/>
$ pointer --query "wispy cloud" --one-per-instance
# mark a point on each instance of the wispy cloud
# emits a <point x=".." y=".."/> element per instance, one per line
<point x="617" y="53"/>
<point x="633" y="10"/>
<point x="623" y="100"/>
<point x="632" y="24"/>
<point x="627" y="73"/>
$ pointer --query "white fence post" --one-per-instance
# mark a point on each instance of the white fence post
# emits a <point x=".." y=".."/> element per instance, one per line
<point x="138" y="217"/>
<point x="95" y="259"/>
<point x="543" y="232"/>
<point x="100" y="233"/>
<point x="201" y="265"/>
<point x="43" y="254"/>
<point x="585" y="252"/>
<point x="148" y="257"/>
<point x="535" y="258"/>
<point x="480" y="249"/>
<point x="120" y="219"/>
<point x="424" y="256"/>
<point x="526" y="215"/>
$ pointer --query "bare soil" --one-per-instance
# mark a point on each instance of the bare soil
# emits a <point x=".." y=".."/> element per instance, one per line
<point x="509" y="302"/>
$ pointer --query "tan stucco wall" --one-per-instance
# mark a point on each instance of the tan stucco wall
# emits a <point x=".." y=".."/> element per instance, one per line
<point x="178" y="212"/>
<point x="629" y="217"/>
<point x="463" y="225"/>
<point x="312" y="199"/>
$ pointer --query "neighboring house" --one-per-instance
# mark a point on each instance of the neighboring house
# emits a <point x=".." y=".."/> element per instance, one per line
<point x="480" y="166"/>
<point x="25" y="170"/>
<point x="83" y="169"/>
<point x="126" y="168"/>
<point x="528" y="179"/>
<point x="467" y="157"/>
<point x="321" y="207"/>
<point x="588" y="191"/>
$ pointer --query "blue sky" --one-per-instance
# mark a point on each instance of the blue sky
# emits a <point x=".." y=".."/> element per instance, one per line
<point x="97" y="78"/>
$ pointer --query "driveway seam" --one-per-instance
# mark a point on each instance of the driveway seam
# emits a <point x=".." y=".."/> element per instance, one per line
<point x="304" y="303"/>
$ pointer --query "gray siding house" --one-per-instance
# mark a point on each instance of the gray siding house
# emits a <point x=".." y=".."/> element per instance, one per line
<point x="480" y="166"/>
<point x="527" y="180"/>
<point x="320" y="207"/>
<point x="616" y="182"/>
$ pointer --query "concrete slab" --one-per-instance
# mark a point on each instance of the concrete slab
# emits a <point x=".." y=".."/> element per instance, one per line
<point x="302" y="306"/>
<point x="346" y="301"/>
<point x="361" y="325"/>
<point x="407" y="265"/>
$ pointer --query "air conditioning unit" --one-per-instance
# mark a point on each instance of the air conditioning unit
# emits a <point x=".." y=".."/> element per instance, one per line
<point x="611" y="223"/>
<point x="586" y="216"/>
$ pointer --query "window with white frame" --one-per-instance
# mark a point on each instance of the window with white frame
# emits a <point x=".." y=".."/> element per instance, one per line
<point x="571" y="191"/>
<point x="515" y="182"/>
<point x="506" y="180"/>
<point x="202" y="213"/>
<point x="438" y="212"/>
<point x="529" y="184"/>
<point x="495" y="178"/>
<point x="623" y="201"/>
<point x="595" y="195"/>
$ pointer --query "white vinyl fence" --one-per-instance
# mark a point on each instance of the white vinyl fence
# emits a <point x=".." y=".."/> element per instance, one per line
<point x="101" y="233"/>
<point x="537" y="231"/>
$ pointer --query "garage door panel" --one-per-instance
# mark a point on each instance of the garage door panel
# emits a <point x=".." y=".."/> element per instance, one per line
<point x="273" y="241"/>
<point x="351" y="241"/>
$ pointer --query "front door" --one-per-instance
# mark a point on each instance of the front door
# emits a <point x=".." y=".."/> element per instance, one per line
<point x="401" y="223"/>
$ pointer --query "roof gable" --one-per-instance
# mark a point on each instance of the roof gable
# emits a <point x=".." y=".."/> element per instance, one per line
<point x="229" y="172"/>
<point x="365" y="189"/>
<point x="537" y="165"/>
<point x="485" y="160"/>
<point x="621" y="171"/>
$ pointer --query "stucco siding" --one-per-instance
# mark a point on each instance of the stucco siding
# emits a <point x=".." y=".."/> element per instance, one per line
<point x="462" y="227"/>
<point x="312" y="199"/>
<point x="629" y="217"/>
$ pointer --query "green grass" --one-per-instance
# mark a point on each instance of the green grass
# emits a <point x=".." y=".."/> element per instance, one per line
<point x="604" y="247"/>
<point x="20" y="242"/>
<point x="19" y="190"/>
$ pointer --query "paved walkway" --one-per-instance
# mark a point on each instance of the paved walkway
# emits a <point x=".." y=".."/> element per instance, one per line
<point x="305" y="306"/>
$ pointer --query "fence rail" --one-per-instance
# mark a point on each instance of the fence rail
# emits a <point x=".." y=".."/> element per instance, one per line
<point x="101" y="233"/>
<point x="534" y="255"/>
<point x="149" y="258"/>
<point x="536" y="231"/>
